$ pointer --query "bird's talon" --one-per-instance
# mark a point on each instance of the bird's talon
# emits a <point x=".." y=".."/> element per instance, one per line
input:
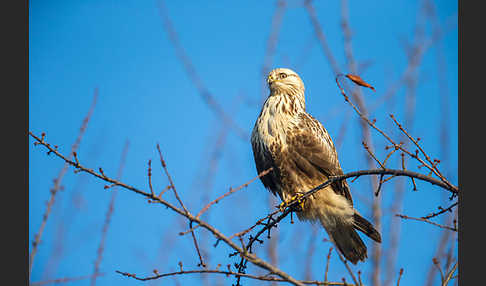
<point x="282" y="206"/>
<point x="300" y="200"/>
<point x="298" y="197"/>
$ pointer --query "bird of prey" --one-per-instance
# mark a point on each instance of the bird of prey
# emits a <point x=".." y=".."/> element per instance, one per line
<point x="302" y="155"/>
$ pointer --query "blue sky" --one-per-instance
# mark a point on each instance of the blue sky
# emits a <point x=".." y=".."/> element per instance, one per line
<point x="146" y="97"/>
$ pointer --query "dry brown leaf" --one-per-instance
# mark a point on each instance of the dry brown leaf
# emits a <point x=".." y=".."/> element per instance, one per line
<point x="359" y="81"/>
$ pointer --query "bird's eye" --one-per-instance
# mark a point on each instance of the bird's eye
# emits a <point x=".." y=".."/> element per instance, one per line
<point x="282" y="75"/>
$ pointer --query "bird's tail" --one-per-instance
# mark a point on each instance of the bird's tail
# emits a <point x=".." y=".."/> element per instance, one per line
<point x="347" y="239"/>
<point x="348" y="242"/>
<point x="361" y="224"/>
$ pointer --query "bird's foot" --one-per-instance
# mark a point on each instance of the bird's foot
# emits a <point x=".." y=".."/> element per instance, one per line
<point x="300" y="200"/>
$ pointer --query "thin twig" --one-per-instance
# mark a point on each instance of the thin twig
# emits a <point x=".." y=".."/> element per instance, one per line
<point x="404" y="168"/>
<point x="172" y="186"/>
<point x="327" y="264"/>
<point x="427" y="221"/>
<point x="434" y="163"/>
<point x="442" y="210"/>
<point x="399" y="276"/>
<point x="377" y="192"/>
<point x="149" y="175"/>
<point x="259" y="222"/>
<point x="231" y="191"/>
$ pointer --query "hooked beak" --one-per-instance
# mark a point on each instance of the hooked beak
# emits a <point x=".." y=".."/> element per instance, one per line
<point x="271" y="79"/>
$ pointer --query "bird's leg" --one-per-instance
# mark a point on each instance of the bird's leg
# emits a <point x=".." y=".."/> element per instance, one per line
<point x="297" y="197"/>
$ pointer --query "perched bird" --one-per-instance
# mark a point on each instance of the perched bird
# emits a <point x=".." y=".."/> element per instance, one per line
<point x="303" y="156"/>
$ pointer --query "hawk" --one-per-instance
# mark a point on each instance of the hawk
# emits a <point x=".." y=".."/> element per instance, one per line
<point x="302" y="155"/>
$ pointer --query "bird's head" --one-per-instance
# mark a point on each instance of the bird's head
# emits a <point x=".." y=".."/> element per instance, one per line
<point x="285" y="81"/>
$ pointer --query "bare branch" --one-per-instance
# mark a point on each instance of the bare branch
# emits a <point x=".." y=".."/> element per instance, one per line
<point x="231" y="191"/>
<point x="266" y="277"/>
<point x="172" y="186"/>
<point x="442" y="210"/>
<point x="246" y="255"/>
<point x="434" y="163"/>
<point x="427" y="221"/>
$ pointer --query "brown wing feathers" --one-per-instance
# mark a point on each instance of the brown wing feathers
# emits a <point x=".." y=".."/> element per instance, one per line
<point x="319" y="156"/>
